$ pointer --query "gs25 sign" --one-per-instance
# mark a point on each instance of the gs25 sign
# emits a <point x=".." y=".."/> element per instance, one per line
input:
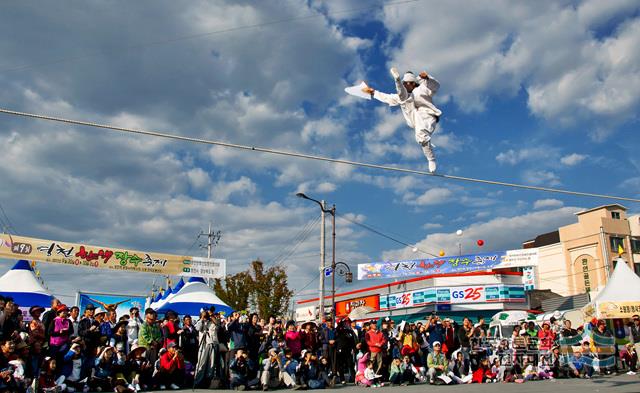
<point x="467" y="294"/>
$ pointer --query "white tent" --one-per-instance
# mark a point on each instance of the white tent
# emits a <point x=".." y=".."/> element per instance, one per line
<point x="620" y="298"/>
<point x="194" y="296"/>
<point x="21" y="284"/>
<point x="167" y="294"/>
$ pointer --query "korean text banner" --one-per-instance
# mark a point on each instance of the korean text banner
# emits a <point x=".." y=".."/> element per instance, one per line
<point x="448" y="265"/>
<point x="99" y="257"/>
<point x="122" y="303"/>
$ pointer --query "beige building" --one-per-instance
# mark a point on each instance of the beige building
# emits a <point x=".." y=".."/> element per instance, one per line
<point x="579" y="257"/>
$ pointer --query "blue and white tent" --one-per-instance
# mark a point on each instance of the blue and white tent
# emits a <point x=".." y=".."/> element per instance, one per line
<point x="21" y="284"/>
<point x="167" y="294"/>
<point x="194" y="296"/>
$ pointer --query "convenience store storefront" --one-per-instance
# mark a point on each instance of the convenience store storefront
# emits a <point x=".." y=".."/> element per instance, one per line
<point x="454" y="296"/>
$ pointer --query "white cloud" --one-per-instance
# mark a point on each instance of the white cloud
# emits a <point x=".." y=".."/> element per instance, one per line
<point x="539" y="177"/>
<point x="513" y="157"/>
<point x="484" y="49"/>
<point x="501" y="233"/>
<point x="433" y="196"/>
<point x="573" y="159"/>
<point x="326" y="187"/>
<point x="547" y="204"/>
<point x="244" y="186"/>
<point x="431" y="225"/>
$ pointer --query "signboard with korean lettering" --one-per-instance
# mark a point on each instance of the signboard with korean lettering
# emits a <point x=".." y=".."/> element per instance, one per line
<point x="454" y="295"/>
<point x="612" y="310"/>
<point x="344" y="307"/>
<point x="448" y="265"/>
<point x="114" y="258"/>
<point x="473" y="294"/>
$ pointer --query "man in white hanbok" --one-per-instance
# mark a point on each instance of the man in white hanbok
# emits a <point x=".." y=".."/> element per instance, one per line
<point x="415" y="98"/>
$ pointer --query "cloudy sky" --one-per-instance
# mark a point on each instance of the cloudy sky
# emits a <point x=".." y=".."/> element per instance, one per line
<point x="542" y="93"/>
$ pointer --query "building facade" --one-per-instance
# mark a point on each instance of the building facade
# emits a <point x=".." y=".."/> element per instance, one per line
<point x="477" y="294"/>
<point x="579" y="257"/>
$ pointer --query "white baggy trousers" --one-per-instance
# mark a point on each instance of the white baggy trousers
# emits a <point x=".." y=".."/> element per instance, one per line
<point x="418" y="111"/>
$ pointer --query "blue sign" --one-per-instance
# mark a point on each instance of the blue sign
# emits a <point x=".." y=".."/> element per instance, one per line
<point x="443" y="307"/>
<point x="448" y="265"/>
<point x="122" y="303"/>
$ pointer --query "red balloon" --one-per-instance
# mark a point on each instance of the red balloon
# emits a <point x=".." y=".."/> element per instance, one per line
<point x="480" y="242"/>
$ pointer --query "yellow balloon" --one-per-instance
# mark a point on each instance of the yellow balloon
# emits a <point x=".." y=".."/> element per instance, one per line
<point x="441" y="253"/>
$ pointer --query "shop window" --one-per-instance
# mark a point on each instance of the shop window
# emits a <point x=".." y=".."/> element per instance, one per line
<point x="614" y="242"/>
<point x="615" y="215"/>
<point x="636" y="267"/>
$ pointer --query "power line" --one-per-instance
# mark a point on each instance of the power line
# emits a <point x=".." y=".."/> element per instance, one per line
<point x="203" y="35"/>
<point x="7" y="221"/>
<point x="297" y="240"/>
<point x="377" y="232"/>
<point x="312" y="157"/>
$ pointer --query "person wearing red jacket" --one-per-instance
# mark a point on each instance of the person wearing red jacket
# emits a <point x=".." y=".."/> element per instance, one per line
<point x="376" y="343"/>
<point x="171" y="370"/>
<point x="546" y="337"/>
<point x="483" y="373"/>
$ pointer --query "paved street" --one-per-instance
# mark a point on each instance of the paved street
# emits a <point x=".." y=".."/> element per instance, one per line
<point x="619" y="384"/>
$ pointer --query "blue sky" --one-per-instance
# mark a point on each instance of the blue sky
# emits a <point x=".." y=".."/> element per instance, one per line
<point x="542" y="93"/>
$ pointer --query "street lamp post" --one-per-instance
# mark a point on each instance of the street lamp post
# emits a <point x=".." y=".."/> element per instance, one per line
<point x="343" y="270"/>
<point x="331" y="211"/>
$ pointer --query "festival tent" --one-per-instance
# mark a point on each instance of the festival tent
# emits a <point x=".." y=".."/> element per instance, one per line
<point x="163" y="299"/>
<point x="194" y="296"/>
<point x="21" y="284"/>
<point x="620" y="298"/>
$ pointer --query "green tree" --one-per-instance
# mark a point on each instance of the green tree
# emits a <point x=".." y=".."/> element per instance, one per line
<point x="264" y="289"/>
<point x="270" y="290"/>
<point x="235" y="291"/>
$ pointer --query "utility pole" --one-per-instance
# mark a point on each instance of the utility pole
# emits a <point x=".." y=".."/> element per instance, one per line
<point x="322" y="262"/>
<point x="213" y="238"/>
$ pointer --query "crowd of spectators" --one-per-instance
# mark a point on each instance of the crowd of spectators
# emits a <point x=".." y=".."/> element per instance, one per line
<point x="98" y="350"/>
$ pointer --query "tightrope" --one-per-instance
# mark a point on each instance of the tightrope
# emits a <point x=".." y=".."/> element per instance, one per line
<point x="310" y="157"/>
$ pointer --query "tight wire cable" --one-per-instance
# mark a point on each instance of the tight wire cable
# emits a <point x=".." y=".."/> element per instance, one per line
<point x="311" y="157"/>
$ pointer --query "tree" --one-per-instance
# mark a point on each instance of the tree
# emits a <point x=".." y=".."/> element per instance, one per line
<point x="236" y="290"/>
<point x="266" y="290"/>
<point x="271" y="292"/>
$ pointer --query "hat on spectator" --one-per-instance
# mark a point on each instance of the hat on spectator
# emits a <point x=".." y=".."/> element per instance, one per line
<point x="34" y="309"/>
<point x="90" y="306"/>
<point x="436" y="343"/>
<point x="99" y="310"/>
<point x="171" y="345"/>
<point x="136" y="348"/>
<point x="62" y="307"/>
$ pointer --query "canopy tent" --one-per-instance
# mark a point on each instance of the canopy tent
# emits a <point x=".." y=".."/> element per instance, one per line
<point x="167" y="294"/>
<point x="21" y="284"/>
<point x="194" y="296"/>
<point x="620" y="298"/>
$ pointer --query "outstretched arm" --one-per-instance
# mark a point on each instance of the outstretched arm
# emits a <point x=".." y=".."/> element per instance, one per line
<point x="99" y="302"/>
<point x="389" y="99"/>
<point x="119" y="303"/>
